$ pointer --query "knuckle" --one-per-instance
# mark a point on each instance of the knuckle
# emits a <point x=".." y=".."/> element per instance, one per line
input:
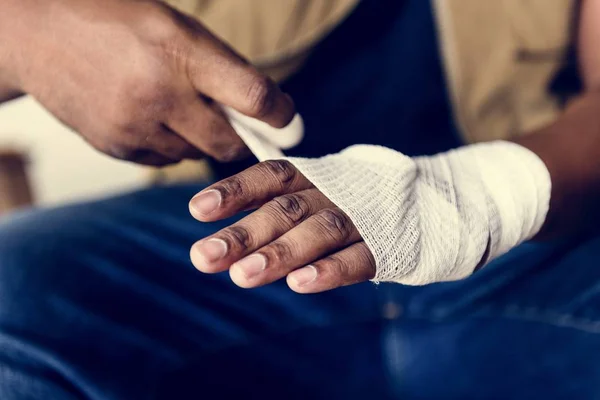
<point x="136" y="155"/>
<point x="165" y="142"/>
<point x="292" y="207"/>
<point x="335" y="267"/>
<point x="238" y="236"/>
<point x="119" y="151"/>
<point x="283" y="170"/>
<point x="260" y="96"/>
<point x="221" y="141"/>
<point x="367" y="266"/>
<point x="281" y="251"/>
<point x="335" y="223"/>
<point x="232" y="188"/>
<point x="173" y="151"/>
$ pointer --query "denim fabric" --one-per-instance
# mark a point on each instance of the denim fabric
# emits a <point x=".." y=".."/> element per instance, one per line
<point x="100" y="301"/>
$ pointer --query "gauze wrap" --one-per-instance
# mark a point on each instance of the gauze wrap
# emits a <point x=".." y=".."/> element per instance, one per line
<point x="425" y="219"/>
<point x="433" y="219"/>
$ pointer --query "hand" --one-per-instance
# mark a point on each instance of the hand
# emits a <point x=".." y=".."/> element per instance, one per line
<point x="137" y="79"/>
<point x="296" y="232"/>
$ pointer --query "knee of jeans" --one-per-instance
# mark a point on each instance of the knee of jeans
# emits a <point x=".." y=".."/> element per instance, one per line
<point x="32" y="249"/>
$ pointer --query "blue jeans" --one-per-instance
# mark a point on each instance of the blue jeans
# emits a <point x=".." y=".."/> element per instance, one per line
<point x="100" y="301"/>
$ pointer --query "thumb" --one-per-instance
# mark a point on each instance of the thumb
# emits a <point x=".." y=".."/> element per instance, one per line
<point x="216" y="71"/>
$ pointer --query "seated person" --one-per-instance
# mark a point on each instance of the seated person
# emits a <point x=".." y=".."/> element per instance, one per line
<point x="100" y="300"/>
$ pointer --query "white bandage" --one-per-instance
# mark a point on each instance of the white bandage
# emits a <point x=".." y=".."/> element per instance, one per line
<point x="264" y="141"/>
<point x="433" y="219"/>
<point x="425" y="219"/>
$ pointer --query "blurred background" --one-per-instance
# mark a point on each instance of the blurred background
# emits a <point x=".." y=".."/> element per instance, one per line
<point x="44" y="163"/>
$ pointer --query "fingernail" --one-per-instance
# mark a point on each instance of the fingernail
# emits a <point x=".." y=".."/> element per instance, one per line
<point x="212" y="249"/>
<point x="304" y="276"/>
<point x="207" y="202"/>
<point x="252" y="265"/>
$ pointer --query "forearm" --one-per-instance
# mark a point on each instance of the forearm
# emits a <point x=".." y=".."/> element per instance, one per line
<point x="570" y="148"/>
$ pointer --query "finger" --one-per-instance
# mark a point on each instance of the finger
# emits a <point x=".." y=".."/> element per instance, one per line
<point x="205" y="127"/>
<point x="216" y="253"/>
<point x="321" y="234"/>
<point x="219" y="73"/>
<point x="144" y="157"/>
<point x="352" y="265"/>
<point x="170" y="145"/>
<point x="147" y="144"/>
<point x="248" y="189"/>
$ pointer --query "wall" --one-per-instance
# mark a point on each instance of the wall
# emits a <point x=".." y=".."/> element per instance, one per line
<point x="63" y="168"/>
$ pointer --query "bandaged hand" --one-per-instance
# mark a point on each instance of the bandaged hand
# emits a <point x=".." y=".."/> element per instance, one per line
<point x="295" y="232"/>
<point x="372" y="213"/>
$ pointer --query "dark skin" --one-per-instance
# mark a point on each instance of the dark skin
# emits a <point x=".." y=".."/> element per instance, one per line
<point x="138" y="79"/>
<point x="296" y="226"/>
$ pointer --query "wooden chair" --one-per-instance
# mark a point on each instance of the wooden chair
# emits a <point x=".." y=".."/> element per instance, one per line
<point x="15" y="188"/>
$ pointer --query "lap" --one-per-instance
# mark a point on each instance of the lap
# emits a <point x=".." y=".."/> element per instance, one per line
<point x="103" y="296"/>
<point x="525" y="326"/>
<point x="100" y="300"/>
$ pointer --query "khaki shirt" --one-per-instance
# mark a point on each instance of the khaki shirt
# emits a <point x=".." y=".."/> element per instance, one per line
<point x="499" y="56"/>
<point x="275" y="35"/>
